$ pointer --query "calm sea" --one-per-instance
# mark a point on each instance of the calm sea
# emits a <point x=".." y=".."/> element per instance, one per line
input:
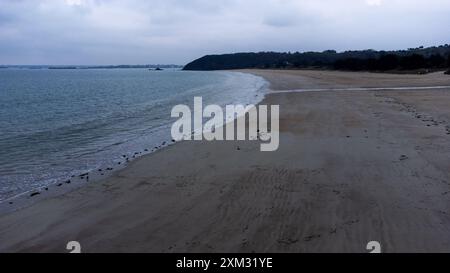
<point x="59" y="123"/>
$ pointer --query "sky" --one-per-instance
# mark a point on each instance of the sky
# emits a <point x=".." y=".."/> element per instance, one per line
<point x="101" y="32"/>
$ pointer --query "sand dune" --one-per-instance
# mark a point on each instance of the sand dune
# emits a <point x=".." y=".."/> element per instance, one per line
<point x="352" y="167"/>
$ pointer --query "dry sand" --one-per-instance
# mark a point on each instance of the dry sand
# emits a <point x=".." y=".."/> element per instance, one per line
<point x="305" y="79"/>
<point x="352" y="167"/>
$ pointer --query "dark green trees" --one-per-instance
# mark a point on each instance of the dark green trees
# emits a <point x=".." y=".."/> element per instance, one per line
<point x="365" y="60"/>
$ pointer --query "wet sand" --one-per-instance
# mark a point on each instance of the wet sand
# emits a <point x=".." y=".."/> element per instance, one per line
<point x="352" y="167"/>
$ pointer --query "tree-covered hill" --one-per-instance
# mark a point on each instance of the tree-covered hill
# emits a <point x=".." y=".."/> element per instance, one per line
<point x="364" y="60"/>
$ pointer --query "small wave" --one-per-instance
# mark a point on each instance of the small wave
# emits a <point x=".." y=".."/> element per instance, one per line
<point x="104" y="116"/>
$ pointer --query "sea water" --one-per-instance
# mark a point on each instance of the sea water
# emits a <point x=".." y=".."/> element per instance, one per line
<point x="55" y="124"/>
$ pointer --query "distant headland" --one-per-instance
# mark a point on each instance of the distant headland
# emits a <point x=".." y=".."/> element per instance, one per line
<point x="421" y="60"/>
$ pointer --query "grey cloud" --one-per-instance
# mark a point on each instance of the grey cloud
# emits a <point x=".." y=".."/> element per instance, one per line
<point x="176" y="31"/>
<point x="280" y="21"/>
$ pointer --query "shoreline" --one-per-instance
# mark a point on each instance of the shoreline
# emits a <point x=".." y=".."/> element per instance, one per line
<point x="74" y="182"/>
<point x="70" y="184"/>
<point x="338" y="181"/>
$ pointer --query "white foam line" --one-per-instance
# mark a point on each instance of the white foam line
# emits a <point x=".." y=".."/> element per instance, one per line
<point x="362" y="89"/>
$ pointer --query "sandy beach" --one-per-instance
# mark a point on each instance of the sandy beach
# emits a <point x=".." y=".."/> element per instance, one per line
<point x="352" y="167"/>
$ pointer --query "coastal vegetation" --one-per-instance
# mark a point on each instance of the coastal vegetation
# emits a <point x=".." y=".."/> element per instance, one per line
<point x="413" y="59"/>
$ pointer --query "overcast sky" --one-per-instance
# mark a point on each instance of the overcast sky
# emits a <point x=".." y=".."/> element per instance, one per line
<point x="178" y="31"/>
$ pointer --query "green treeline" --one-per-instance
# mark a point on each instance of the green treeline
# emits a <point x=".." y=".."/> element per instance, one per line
<point x="431" y="58"/>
